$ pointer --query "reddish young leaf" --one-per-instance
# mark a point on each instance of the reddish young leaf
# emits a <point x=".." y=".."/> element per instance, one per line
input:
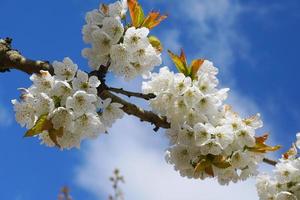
<point x="104" y="8"/>
<point x="261" y="147"/>
<point x="209" y="170"/>
<point x="195" y="66"/>
<point x="136" y="13"/>
<point x="262" y="138"/>
<point x="183" y="57"/>
<point x="153" y="19"/>
<point x="291" y="152"/>
<point x="179" y="61"/>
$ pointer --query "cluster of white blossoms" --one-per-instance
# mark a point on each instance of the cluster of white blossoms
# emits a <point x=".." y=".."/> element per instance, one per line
<point x="64" y="108"/>
<point x="207" y="138"/>
<point x="285" y="183"/>
<point x="127" y="49"/>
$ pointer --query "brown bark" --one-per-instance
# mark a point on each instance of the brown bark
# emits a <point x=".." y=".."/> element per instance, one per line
<point x="12" y="59"/>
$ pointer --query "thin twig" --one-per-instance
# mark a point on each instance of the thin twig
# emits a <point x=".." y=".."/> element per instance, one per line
<point x="132" y="109"/>
<point x="131" y="94"/>
<point x="269" y="161"/>
<point x="19" y="62"/>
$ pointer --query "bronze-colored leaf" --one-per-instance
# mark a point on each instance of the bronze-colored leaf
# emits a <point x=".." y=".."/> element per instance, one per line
<point x="221" y="162"/>
<point x="54" y="134"/>
<point x="291" y="152"/>
<point x="179" y="61"/>
<point x="201" y="166"/>
<point x="209" y="170"/>
<point x="195" y="66"/>
<point x="262" y="138"/>
<point x="104" y="8"/>
<point x="136" y="13"/>
<point x="153" y="19"/>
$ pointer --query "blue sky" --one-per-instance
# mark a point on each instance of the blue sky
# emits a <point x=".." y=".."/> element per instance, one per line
<point x="255" y="45"/>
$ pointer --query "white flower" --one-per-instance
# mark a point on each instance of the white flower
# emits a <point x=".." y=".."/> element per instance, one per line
<point x="111" y="112"/>
<point x="298" y="140"/>
<point x="180" y="156"/>
<point x="192" y="95"/>
<point x="46" y="140"/>
<point x="43" y="104"/>
<point x="239" y="159"/>
<point x="202" y="125"/>
<point x="245" y="137"/>
<point x="81" y="102"/>
<point x="42" y="82"/>
<point x="83" y="82"/>
<point x="87" y="32"/>
<point x="285" y="172"/>
<point x="223" y="135"/>
<point x="61" y="91"/>
<point x="284" y="184"/>
<point x="202" y="133"/>
<point x="102" y="42"/>
<point x="211" y="147"/>
<point x="205" y="83"/>
<point x="95" y="58"/>
<point x="62" y="118"/>
<point x="25" y="113"/>
<point x="94" y="17"/>
<point x="285" y="196"/>
<point x="65" y="70"/>
<point x="181" y="83"/>
<point x="118" y="9"/>
<point x="114" y="28"/>
<point x="254" y="121"/>
<point x="89" y="125"/>
<point x="186" y="136"/>
<point x="135" y="39"/>
<point x="69" y="140"/>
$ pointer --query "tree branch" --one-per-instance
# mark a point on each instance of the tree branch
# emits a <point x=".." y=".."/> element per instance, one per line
<point x="269" y="161"/>
<point x="132" y="109"/>
<point x="12" y="59"/>
<point x="131" y="94"/>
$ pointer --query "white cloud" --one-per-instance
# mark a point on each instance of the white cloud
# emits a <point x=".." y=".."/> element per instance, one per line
<point x="138" y="151"/>
<point x="140" y="155"/>
<point x="5" y="118"/>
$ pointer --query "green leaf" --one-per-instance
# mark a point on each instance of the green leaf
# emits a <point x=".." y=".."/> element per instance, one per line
<point x="155" y="42"/>
<point x="41" y="125"/>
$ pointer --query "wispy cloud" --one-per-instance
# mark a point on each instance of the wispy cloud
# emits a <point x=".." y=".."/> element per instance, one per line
<point x="209" y="29"/>
<point x="5" y="116"/>
<point x="139" y="153"/>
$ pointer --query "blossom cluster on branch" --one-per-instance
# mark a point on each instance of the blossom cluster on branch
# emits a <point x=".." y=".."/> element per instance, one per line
<point x="65" y="105"/>
<point x="285" y="182"/>
<point x="207" y="138"/>
<point x="64" y="108"/>
<point x="128" y="49"/>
